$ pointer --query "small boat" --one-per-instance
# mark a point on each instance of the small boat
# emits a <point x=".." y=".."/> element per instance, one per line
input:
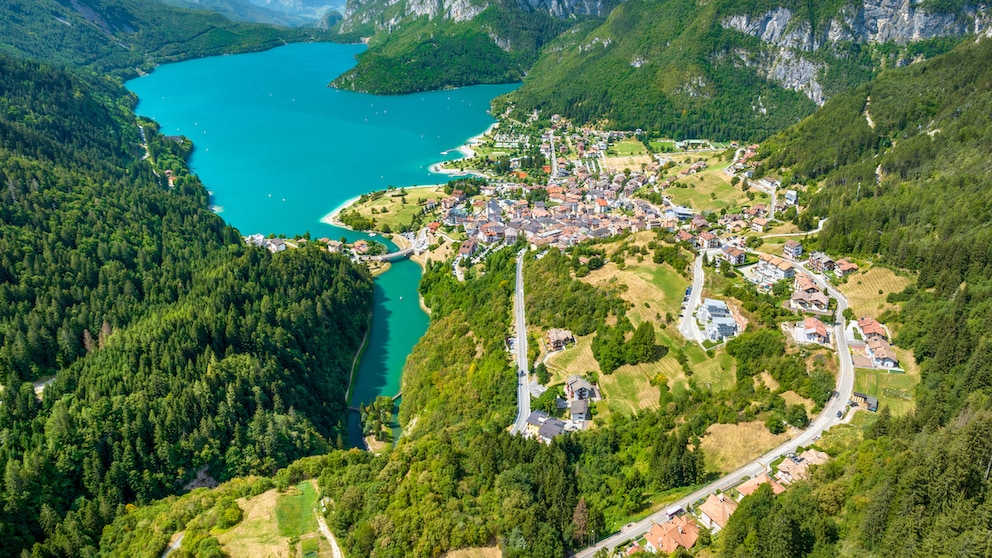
<point x="401" y="298"/>
<point x="371" y="234"/>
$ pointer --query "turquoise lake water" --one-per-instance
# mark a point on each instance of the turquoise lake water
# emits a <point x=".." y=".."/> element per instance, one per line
<point x="279" y="151"/>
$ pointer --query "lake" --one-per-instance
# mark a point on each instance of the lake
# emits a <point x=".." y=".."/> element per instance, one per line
<point x="279" y="151"/>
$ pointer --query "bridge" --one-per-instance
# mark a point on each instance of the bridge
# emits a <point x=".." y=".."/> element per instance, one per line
<point x="393" y="256"/>
<point x="358" y="410"/>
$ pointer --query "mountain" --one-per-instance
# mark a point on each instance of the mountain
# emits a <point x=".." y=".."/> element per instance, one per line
<point x="130" y="36"/>
<point x="416" y="46"/>
<point x="731" y="69"/>
<point x="722" y="69"/>
<point x="289" y="13"/>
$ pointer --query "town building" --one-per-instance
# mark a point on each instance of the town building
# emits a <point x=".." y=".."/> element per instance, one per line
<point x="558" y="339"/>
<point x="792" y="250"/>
<point x="821" y="263"/>
<point x="716" y="511"/>
<point x="666" y="538"/>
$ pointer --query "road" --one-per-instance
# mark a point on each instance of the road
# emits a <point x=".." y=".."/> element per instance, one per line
<point x="174" y="546"/>
<point x="523" y="370"/>
<point x="687" y="324"/>
<point x="827" y="418"/>
<point x="335" y="549"/>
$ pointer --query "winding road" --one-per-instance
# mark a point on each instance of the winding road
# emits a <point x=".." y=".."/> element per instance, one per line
<point x="826" y="419"/>
<point x="523" y="370"/>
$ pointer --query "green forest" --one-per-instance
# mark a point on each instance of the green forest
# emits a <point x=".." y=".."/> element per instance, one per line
<point x="177" y="348"/>
<point x="126" y="37"/>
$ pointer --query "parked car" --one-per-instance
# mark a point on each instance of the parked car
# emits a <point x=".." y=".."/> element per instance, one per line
<point x="840" y="414"/>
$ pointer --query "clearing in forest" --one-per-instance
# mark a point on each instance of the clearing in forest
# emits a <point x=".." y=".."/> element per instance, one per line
<point x="866" y="291"/>
<point x="270" y="519"/>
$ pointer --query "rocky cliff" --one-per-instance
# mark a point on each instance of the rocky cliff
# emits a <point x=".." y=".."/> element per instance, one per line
<point x="792" y="42"/>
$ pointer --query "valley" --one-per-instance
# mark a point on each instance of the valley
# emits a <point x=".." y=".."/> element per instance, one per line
<point x="689" y="294"/>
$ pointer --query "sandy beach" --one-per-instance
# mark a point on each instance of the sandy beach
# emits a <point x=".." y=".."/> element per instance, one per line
<point x="332" y="217"/>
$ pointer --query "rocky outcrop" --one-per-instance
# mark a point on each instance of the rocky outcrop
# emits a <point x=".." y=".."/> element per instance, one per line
<point x="358" y="12"/>
<point x="789" y="39"/>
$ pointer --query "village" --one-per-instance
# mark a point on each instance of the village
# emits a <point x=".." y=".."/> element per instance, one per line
<point x="581" y="194"/>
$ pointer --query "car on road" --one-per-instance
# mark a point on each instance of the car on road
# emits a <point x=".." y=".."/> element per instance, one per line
<point x="840" y="414"/>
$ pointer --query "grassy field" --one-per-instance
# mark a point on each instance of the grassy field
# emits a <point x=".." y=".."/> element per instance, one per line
<point x="894" y="390"/>
<point x="728" y="446"/>
<point x="793" y="398"/>
<point x="866" y="291"/>
<point x="397" y="212"/>
<point x="709" y="190"/>
<point x="618" y="163"/>
<point x="629" y="147"/>
<point x="294" y="510"/>
<point x="270" y="519"/>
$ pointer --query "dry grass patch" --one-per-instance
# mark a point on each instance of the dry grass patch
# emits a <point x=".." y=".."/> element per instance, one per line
<point x="793" y="398"/>
<point x="728" y="446"/>
<point x="258" y="532"/>
<point x="866" y="291"/>
<point x="767" y="379"/>
<point x="486" y="552"/>
<point x="576" y="359"/>
<point x="628" y="389"/>
<point x="632" y="162"/>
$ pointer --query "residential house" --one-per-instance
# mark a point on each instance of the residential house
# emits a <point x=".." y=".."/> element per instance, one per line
<point x="796" y="468"/>
<point x="683" y="236"/>
<point x="706" y="239"/>
<point x="491" y="232"/>
<point x="579" y="410"/>
<point x="871" y="330"/>
<point x="559" y="338"/>
<point x="535" y="420"/>
<point x="712" y="309"/>
<point x="791" y="197"/>
<point x="845" y="267"/>
<point x="360" y="247"/>
<point x="334" y="246"/>
<point x="815" y="331"/>
<point x="716" y="511"/>
<point x="734" y="256"/>
<point x="881" y="354"/>
<point x="666" y="538"/>
<point x="551" y="428"/>
<point x="870" y="401"/>
<point x="698" y="222"/>
<point x="467" y="249"/>
<point x="719" y="329"/>
<point x="792" y="250"/>
<point x="806" y="296"/>
<point x="773" y="269"/>
<point x="752" y="484"/>
<point x="759" y="224"/>
<point x="821" y="263"/>
<point x="577" y="388"/>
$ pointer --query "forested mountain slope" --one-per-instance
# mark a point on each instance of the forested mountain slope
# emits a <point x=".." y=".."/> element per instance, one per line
<point x="727" y="69"/>
<point x="904" y="178"/>
<point x="174" y="346"/>
<point x="125" y="36"/>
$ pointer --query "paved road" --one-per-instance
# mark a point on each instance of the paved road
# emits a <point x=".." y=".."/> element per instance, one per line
<point x="174" y="546"/>
<point x="688" y="326"/>
<point x="523" y="370"/>
<point x="822" y="422"/>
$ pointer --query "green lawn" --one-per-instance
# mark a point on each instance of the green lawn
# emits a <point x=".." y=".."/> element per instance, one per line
<point x="663" y="145"/>
<point x="294" y="510"/>
<point x="397" y="212"/>
<point x="627" y="148"/>
<point x="894" y="390"/>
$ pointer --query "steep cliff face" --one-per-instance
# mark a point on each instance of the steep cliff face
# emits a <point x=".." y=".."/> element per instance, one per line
<point x="385" y="14"/>
<point x="791" y="41"/>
